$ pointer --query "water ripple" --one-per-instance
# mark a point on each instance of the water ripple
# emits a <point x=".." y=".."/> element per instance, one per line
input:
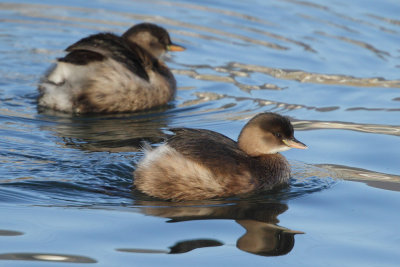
<point x="365" y="128"/>
<point x="395" y="22"/>
<point x="327" y="9"/>
<point x="49" y="257"/>
<point x="306" y="77"/>
<point x="379" y="53"/>
<point x="374" y="179"/>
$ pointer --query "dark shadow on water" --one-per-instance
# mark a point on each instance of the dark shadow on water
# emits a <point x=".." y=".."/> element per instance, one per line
<point x="10" y="233"/>
<point x="259" y="218"/>
<point x="179" y="247"/>
<point x="189" y="245"/>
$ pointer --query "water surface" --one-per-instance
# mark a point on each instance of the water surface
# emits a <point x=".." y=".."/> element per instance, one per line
<point x="331" y="66"/>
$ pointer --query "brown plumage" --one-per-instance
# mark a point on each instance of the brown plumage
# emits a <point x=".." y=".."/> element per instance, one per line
<point x="106" y="73"/>
<point x="198" y="164"/>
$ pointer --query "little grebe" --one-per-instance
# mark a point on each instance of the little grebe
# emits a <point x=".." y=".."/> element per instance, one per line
<point x="197" y="164"/>
<point x="106" y="73"/>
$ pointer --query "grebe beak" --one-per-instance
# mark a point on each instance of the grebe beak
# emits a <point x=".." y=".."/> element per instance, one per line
<point x="175" y="48"/>
<point x="294" y="143"/>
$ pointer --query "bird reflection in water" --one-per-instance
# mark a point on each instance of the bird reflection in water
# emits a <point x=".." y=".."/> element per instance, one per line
<point x="108" y="133"/>
<point x="262" y="237"/>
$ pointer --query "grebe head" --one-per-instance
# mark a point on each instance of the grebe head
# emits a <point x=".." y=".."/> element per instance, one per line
<point x="151" y="37"/>
<point x="268" y="133"/>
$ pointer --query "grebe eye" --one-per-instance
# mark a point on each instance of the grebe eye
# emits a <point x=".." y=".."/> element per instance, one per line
<point x="278" y="135"/>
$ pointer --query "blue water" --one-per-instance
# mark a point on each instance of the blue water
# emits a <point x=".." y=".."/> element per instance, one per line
<point x="332" y="66"/>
